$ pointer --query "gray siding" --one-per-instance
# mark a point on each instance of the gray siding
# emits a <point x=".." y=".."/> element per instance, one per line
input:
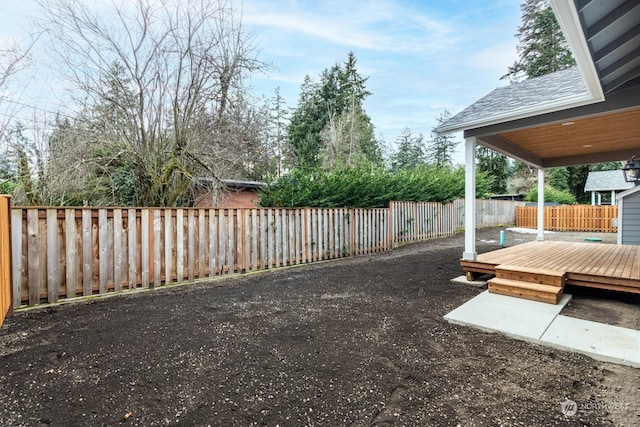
<point x="631" y="220"/>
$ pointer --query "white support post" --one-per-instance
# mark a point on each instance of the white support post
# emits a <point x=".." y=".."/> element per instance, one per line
<point x="593" y="198"/>
<point x="613" y="197"/>
<point x="540" y="235"/>
<point x="620" y="210"/>
<point x="470" y="199"/>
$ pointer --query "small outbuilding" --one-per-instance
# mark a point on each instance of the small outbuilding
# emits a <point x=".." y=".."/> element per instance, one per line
<point x="607" y="184"/>
<point x="230" y="194"/>
<point x="629" y="217"/>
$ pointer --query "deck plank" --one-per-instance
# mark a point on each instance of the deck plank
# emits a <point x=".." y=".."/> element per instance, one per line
<point x="591" y="253"/>
<point x="603" y="266"/>
<point x="605" y="262"/>
<point x="635" y="270"/>
<point x="617" y="266"/>
<point x="558" y="256"/>
<point x="574" y="258"/>
<point x="626" y="271"/>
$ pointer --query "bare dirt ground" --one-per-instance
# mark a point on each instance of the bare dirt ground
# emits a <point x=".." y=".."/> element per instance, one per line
<point x="355" y="342"/>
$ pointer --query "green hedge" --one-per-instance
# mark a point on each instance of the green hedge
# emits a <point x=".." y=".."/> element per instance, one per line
<point x="552" y="195"/>
<point x="367" y="186"/>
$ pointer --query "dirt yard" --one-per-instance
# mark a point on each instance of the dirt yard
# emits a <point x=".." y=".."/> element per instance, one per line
<point x="352" y="342"/>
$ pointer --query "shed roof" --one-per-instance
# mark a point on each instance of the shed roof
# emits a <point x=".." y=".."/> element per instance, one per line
<point x="232" y="183"/>
<point x="607" y="181"/>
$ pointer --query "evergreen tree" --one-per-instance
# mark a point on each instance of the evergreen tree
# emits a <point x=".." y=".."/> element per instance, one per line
<point x="28" y="172"/>
<point x="558" y="178"/>
<point x="410" y="152"/>
<point x="495" y="166"/>
<point x="577" y="178"/>
<point x="442" y="147"/>
<point x="354" y="139"/>
<point x="278" y="131"/>
<point x="542" y="48"/>
<point x="330" y="125"/>
<point x="8" y="174"/>
<point x="307" y="121"/>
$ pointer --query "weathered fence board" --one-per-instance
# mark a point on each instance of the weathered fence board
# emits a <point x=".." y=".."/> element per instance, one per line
<point x="426" y="220"/>
<point x="69" y="252"/>
<point x="6" y="300"/>
<point x="569" y="218"/>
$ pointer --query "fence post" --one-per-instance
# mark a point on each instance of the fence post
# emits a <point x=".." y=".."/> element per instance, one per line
<point x="6" y="280"/>
<point x="391" y="222"/>
<point x="243" y="241"/>
<point x="390" y="225"/>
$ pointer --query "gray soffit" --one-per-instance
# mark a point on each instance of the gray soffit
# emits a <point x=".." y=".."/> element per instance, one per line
<point x="612" y="32"/>
<point x="607" y="181"/>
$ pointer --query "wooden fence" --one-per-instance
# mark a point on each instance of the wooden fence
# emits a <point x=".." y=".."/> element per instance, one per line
<point x="412" y="221"/>
<point x="6" y="307"/>
<point x="70" y="252"/>
<point x="569" y="218"/>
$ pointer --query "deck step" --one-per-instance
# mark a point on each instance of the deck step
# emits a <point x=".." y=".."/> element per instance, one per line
<point x="533" y="291"/>
<point x="541" y="276"/>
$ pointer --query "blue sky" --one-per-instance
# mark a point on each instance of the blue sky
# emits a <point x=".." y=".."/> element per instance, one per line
<point x="421" y="57"/>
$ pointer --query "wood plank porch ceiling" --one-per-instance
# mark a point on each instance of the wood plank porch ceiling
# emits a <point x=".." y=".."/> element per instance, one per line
<point x="590" y="136"/>
<point x="604" y="266"/>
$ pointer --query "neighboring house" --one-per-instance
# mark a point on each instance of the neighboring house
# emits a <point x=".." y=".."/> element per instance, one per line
<point x="232" y="193"/>
<point x="586" y="114"/>
<point x="608" y="182"/>
<point x="629" y="217"/>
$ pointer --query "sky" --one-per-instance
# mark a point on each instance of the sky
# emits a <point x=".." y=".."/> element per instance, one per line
<point x="420" y="57"/>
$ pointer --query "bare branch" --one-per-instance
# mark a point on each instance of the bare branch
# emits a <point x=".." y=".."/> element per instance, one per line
<point x="165" y="67"/>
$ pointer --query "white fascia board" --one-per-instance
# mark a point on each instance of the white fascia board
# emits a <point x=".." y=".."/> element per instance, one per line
<point x="523" y="113"/>
<point x="569" y="20"/>
<point x="624" y="194"/>
<point x="567" y="15"/>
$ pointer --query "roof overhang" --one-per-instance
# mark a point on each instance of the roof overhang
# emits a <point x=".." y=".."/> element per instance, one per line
<point x="599" y="124"/>
<point x="521" y="113"/>
<point x="595" y="133"/>
<point x="569" y="20"/>
<point x="628" y="192"/>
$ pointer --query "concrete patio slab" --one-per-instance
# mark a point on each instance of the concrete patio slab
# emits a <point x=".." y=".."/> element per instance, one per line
<point x="598" y="340"/>
<point x="463" y="281"/>
<point x="542" y="323"/>
<point x="512" y="316"/>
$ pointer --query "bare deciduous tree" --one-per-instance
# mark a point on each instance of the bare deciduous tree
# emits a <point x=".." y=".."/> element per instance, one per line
<point x="13" y="58"/>
<point x="157" y="69"/>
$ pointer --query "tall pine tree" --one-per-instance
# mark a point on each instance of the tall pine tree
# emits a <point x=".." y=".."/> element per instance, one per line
<point x="410" y="152"/>
<point x="307" y="121"/>
<point x="496" y="167"/>
<point x="330" y="126"/>
<point x="442" y="147"/>
<point x="542" y="48"/>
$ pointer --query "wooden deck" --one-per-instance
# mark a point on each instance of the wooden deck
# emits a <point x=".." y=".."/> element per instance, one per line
<point x="604" y="266"/>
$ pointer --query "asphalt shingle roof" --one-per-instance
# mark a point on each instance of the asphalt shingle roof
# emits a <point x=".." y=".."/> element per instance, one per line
<point x="518" y="96"/>
<point x="606" y="181"/>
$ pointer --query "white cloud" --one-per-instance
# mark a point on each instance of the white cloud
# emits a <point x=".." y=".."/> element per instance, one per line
<point x="379" y="26"/>
<point x="420" y="56"/>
